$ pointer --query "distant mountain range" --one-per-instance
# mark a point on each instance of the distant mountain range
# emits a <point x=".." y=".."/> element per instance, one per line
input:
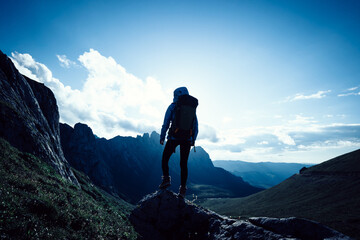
<point x="328" y="193"/>
<point x="131" y="167"/>
<point x="262" y="174"/>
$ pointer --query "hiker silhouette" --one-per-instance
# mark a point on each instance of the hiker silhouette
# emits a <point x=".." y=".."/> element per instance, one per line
<point x="183" y="131"/>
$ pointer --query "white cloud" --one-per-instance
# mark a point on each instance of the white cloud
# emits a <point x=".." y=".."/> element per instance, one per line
<point x="112" y="101"/>
<point x="207" y="133"/>
<point x="299" y="119"/>
<point x="226" y="120"/>
<point x="293" y="141"/>
<point x="65" y="62"/>
<point x="299" y="96"/>
<point x="349" y="94"/>
<point x="331" y="144"/>
<point x="352" y="89"/>
<point x="283" y="136"/>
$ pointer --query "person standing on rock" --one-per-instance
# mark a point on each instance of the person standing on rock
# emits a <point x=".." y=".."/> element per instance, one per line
<point x="183" y="131"/>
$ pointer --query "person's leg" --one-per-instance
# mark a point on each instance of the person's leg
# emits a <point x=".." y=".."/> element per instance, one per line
<point x="184" y="155"/>
<point x="168" y="150"/>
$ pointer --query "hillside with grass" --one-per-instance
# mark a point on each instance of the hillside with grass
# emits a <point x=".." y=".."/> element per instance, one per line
<point x="37" y="203"/>
<point x="328" y="193"/>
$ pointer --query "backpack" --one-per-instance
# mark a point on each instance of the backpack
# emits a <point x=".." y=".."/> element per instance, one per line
<point x="185" y="114"/>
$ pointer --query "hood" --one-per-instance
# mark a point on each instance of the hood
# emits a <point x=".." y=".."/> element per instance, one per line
<point x="180" y="91"/>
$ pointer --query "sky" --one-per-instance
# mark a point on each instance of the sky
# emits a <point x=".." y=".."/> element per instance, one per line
<point x="276" y="80"/>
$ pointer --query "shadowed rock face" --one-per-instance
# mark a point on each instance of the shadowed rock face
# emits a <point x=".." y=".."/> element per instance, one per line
<point x="29" y="117"/>
<point x="162" y="215"/>
<point x="81" y="150"/>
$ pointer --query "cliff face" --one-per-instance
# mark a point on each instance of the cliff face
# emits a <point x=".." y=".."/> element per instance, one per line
<point x="29" y="117"/>
<point x="80" y="142"/>
<point x="131" y="167"/>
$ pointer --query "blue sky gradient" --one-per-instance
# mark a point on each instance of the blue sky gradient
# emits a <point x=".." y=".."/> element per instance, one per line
<point x="276" y="80"/>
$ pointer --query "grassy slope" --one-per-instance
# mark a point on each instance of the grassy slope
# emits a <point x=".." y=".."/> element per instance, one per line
<point x="36" y="203"/>
<point x="328" y="193"/>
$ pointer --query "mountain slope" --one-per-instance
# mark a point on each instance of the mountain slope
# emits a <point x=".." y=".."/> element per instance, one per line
<point x="29" y="117"/>
<point x="41" y="196"/>
<point x="131" y="167"/>
<point x="36" y="203"/>
<point x="262" y="174"/>
<point x="328" y="193"/>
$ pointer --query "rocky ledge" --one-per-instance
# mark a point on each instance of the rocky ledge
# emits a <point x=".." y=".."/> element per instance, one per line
<point x="162" y="215"/>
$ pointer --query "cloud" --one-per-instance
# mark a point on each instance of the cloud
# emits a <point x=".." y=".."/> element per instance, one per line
<point x="299" y="119"/>
<point x="207" y="132"/>
<point x="284" y="137"/>
<point x="297" y="139"/>
<point x="111" y="101"/>
<point x="353" y="88"/>
<point x="349" y="94"/>
<point x="227" y="120"/>
<point x="299" y="96"/>
<point x="330" y="144"/>
<point x="65" y="62"/>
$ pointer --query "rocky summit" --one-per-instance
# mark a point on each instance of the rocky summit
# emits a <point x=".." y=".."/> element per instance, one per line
<point x="163" y="216"/>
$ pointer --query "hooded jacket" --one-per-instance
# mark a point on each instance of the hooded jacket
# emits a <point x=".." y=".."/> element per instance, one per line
<point x="170" y="115"/>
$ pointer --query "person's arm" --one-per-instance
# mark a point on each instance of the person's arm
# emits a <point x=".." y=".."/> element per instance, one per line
<point x="195" y="130"/>
<point x="166" y="123"/>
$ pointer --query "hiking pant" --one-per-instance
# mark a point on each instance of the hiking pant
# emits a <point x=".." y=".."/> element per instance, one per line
<point x="184" y="155"/>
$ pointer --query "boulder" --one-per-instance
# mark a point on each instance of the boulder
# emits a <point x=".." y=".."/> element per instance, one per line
<point x="163" y="215"/>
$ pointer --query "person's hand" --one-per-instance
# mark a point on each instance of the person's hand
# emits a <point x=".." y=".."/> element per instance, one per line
<point x="162" y="142"/>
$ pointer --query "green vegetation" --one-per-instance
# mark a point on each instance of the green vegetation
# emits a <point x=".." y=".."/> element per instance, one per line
<point x="203" y="191"/>
<point x="36" y="203"/>
<point x="328" y="193"/>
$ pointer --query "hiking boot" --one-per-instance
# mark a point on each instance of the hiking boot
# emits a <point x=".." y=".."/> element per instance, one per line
<point x="166" y="182"/>
<point x="182" y="191"/>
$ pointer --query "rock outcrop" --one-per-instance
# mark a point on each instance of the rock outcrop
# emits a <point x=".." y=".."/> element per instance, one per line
<point x="163" y="216"/>
<point x="85" y="155"/>
<point x="29" y="117"/>
<point x="131" y="167"/>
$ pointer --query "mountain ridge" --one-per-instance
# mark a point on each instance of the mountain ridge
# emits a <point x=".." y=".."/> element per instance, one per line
<point x="131" y="167"/>
<point x="262" y="174"/>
